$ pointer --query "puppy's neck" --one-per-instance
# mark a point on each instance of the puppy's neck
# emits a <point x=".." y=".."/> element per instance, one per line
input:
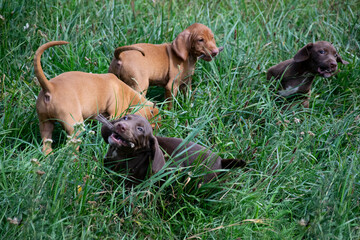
<point x="132" y="162"/>
<point x="302" y="69"/>
<point x="129" y="152"/>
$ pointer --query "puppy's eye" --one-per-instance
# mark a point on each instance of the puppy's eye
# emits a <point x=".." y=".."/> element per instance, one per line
<point x="201" y="40"/>
<point x="140" y="129"/>
<point x="125" y="118"/>
<point x="321" y="51"/>
<point x="335" y="55"/>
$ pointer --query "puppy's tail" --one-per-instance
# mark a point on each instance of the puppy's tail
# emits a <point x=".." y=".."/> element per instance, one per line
<point x="232" y="163"/>
<point x="45" y="84"/>
<point x="127" y="48"/>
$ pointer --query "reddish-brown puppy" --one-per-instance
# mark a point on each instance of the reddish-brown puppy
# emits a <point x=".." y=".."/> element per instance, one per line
<point x="72" y="97"/>
<point x="136" y="151"/>
<point x="169" y="65"/>
<point x="297" y="74"/>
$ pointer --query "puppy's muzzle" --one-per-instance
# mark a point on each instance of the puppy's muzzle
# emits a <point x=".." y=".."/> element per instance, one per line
<point x="327" y="71"/>
<point x="213" y="53"/>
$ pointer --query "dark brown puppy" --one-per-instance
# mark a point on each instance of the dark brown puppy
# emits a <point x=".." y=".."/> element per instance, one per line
<point x="169" y="65"/>
<point x="297" y="74"/>
<point x="135" y="150"/>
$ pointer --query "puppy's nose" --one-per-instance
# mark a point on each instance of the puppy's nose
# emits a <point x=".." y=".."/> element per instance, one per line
<point x="121" y="127"/>
<point x="214" y="52"/>
<point x="333" y="64"/>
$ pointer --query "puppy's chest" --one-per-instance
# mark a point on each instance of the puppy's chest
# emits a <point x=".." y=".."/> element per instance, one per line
<point x="129" y="163"/>
<point x="296" y="84"/>
<point x="184" y="73"/>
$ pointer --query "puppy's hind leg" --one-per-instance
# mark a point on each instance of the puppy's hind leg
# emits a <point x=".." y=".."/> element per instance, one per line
<point x="73" y="126"/>
<point x="306" y="101"/>
<point x="46" y="129"/>
<point x="140" y="83"/>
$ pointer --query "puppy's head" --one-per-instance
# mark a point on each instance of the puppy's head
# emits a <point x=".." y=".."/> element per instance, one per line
<point x="322" y="57"/>
<point x="197" y="40"/>
<point x="133" y="134"/>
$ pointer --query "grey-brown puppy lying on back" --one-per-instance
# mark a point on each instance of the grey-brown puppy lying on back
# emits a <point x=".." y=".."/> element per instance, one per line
<point x="134" y="148"/>
<point x="297" y="74"/>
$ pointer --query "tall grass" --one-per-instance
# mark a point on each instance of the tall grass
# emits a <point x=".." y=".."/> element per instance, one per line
<point x="302" y="179"/>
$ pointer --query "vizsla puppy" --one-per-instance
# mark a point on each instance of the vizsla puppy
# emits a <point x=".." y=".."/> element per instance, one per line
<point x="72" y="97"/>
<point x="169" y="65"/>
<point x="297" y="74"/>
<point x="135" y="150"/>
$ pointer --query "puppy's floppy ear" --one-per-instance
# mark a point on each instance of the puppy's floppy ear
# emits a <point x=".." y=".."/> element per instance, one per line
<point x="304" y="53"/>
<point x="340" y="60"/>
<point x="157" y="155"/>
<point x="181" y="45"/>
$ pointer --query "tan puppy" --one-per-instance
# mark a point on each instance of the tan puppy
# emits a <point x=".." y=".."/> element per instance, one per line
<point x="297" y="74"/>
<point x="72" y="97"/>
<point x="168" y="65"/>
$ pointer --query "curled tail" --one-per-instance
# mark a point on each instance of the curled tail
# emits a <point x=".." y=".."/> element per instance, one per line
<point x="127" y="48"/>
<point x="45" y="84"/>
<point x="232" y="163"/>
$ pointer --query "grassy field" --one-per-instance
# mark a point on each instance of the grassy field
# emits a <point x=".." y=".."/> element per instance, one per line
<point x="302" y="180"/>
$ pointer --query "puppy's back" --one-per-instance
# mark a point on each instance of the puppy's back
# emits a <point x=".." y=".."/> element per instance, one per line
<point x="279" y="70"/>
<point x="188" y="153"/>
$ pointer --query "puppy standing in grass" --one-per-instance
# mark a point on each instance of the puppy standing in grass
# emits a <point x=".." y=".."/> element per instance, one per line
<point x="297" y="74"/>
<point x="168" y="65"/>
<point x="72" y="97"/>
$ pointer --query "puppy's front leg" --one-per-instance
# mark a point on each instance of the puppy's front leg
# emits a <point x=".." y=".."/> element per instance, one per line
<point x="305" y="103"/>
<point x="171" y="90"/>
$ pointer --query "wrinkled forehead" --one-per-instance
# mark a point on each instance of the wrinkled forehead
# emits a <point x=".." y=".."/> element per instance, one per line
<point x="198" y="29"/>
<point x="324" y="46"/>
<point x="136" y="120"/>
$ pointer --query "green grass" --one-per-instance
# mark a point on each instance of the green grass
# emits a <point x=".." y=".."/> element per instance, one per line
<point x="302" y="180"/>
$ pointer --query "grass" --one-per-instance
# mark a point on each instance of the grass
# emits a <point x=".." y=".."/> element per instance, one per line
<point x="302" y="179"/>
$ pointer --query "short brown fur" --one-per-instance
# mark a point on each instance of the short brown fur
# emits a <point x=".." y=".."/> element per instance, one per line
<point x="72" y="97"/>
<point x="169" y="65"/>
